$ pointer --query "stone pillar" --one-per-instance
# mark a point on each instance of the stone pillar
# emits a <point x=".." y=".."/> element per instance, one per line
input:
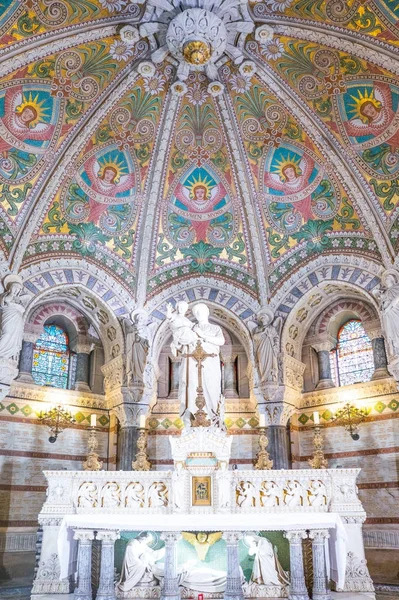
<point x="170" y="589"/>
<point x="82" y="381"/>
<point x="325" y="380"/>
<point x="230" y="376"/>
<point x="174" y="377"/>
<point x="380" y="358"/>
<point x="106" y="588"/>
<point x="83" y="589"/>
<point x="233" y="583"/>
<point x="298" y="589"/>
<point x="127" y="447"/>
<point x="320" y="582"/>
<point x="278" y="446"/>
<point x="25" y="362"/>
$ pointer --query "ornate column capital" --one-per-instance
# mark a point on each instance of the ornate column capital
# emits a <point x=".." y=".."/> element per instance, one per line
<point x="232" y="537"/>
<point x="32" y="333"/>
<point x="295" y="536"/>
<point x="276" y="413"/>
<point x="83" y="535"/>
<point x="109" y="536"/>
<point x="170" y="537"/>
<point x="319" y="535"/>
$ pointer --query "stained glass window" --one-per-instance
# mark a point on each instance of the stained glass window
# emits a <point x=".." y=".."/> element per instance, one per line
<point x="51" y="358"/>
<point x="352" y="360"/>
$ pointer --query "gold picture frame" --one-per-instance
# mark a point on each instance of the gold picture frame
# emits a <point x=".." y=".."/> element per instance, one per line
<point x="201" y="491"/>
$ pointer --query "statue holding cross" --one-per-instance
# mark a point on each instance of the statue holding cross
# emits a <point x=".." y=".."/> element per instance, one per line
<point x="198" y="345"/>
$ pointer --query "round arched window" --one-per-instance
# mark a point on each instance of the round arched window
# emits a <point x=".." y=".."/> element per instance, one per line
<point x="51" y="358"/>
<point x="352" y="360"/>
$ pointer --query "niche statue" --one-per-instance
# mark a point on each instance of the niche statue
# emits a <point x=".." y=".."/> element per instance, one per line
<point x="13" y="305"/>
<point x="266" y="339"/>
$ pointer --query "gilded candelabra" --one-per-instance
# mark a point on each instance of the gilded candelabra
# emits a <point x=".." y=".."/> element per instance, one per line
<point x="57" y="419"/>
<point x="264" y="462"/>
<point x="350" y="417"/>
<point x="318" y="461"/>
<point x="141" y="463"/>
<point x="93" y="462"/>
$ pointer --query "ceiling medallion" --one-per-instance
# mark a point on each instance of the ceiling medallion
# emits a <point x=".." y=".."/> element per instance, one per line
<point x="197" y="39"/>
<point x="197" y="53"/>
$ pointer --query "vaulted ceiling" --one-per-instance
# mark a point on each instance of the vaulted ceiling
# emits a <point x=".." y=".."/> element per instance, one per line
<point x="117" y="150"/>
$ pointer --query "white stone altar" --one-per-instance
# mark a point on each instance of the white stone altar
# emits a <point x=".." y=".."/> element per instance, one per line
<point x="201" y="494"/>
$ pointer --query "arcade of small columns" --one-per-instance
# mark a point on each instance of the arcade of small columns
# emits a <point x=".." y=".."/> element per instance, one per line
<point x="170" y="589"/>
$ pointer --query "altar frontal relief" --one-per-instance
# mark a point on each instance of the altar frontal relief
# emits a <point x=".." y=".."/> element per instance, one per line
<point x="201" y="564"/>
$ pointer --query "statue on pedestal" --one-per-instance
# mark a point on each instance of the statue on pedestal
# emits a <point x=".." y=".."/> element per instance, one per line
<point x="389" y="302"/>
<point x="185" y="337"/>
<point x="13" y="305"/>
<point x="266" y="338"/>
<point x="137" y="346"/>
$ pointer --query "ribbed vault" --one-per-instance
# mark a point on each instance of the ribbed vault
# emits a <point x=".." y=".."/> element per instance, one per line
<point x="158" y="176"/>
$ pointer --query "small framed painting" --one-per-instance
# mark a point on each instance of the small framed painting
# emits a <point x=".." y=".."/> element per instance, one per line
<point x="201" y="491"/>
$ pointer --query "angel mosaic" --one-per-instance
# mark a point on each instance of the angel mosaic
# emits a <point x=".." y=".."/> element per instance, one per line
<point x="28" y="117"/>
<point x="104" y="191"/>
<point x="297" y="189"/>
<point x="370" y="118"/>
<point x="200" y="209"/>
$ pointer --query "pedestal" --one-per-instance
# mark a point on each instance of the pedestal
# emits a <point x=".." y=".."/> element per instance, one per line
<point x="380" y="358"/>
<point x="106" y="588"/>
<point x="320" y="584"/>
<point x="298" y="589"/>
<point x="25" y="362"/>
<point x="83" y="589"/>
<point x="82" y="372"/>
<point x="233" y="583"/>
<point x="170" y="589"/>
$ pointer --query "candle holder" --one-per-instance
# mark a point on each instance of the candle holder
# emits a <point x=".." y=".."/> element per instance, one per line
<point x="318" y="461"/>
<point x="264" y="462"/>
<point x="141" y="463"/>
<point x="93" y="462"/>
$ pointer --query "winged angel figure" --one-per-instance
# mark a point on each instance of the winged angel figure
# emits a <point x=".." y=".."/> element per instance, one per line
<point x="202" y="541"/>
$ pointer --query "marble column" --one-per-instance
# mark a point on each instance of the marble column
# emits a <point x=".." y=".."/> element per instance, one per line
<point x="234" y="589"/>
<point x="106" y="588"/>
<point x="380" y="358"/>
<point x="298" y="589"/>
<point x="170" y="590"/>
<point x="320" y="583"/>
<point x="26" y="361"/>
<point x="127" y="447"/>
<point x="230" y="377"/>
<point x="83" y="589"/>
<point x="82" y="380"/>
<point x="278" y="448"/>
<point x="325" y="379"/>
<point x="174" y="377"/>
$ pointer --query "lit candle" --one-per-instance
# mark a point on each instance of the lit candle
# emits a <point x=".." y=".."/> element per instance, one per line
<point x="262" y="420"/>
<point x="93" y="420"/>
<point x="142" y="422"/>
<point x="316" y="418"/>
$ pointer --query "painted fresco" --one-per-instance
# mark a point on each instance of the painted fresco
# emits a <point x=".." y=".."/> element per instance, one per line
<point x="376" y="18"/>
<point x="29" y="128"/>
<point x="200" y="225"/>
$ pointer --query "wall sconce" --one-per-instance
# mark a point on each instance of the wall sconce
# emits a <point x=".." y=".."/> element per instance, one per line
<point x="350" y="417"/>
<point x="57" y="419"/>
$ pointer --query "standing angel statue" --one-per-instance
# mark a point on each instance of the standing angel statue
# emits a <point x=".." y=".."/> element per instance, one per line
<point x="266" y="339"/>
<point x="137" y="345"/>
<point x="13" y="305"/>
<point x="389" y="303"/>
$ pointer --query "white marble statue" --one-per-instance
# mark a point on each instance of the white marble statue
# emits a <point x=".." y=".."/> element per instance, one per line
<point x="13" y="305"/>
<point x="141" y="569"/>
<point x="139" y="562"/>
<point x="390" y="311"/>
<point x="185" y="336"/>
<point x="266" y="339"/>
<point x="137" y="345"/>
<point x="266" y="569"/>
